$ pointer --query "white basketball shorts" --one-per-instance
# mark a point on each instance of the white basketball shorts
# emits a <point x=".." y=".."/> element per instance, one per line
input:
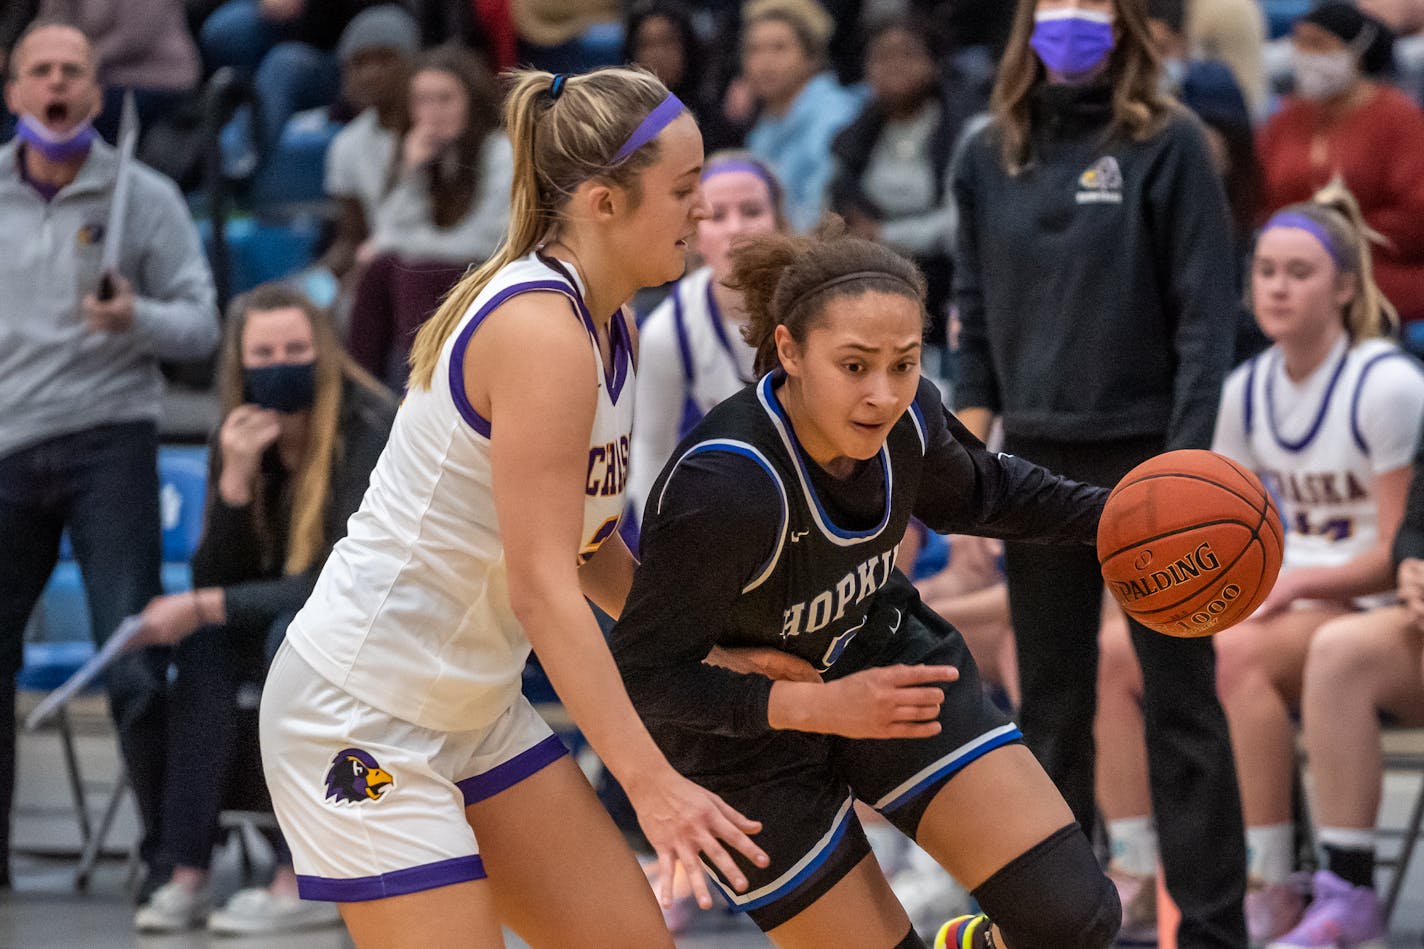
<point x="374" y="806"/>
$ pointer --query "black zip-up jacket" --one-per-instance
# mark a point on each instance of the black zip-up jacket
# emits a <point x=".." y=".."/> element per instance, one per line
<point x="1095" y="288"/>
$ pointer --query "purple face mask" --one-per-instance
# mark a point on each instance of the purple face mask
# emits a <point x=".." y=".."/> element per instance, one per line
<point x="62" y="146"/>
<point x="1072" y="43"/>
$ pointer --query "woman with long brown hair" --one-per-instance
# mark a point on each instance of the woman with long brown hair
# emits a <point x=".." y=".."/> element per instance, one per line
<point x="302" y="428"/>
<point x="1093" y="279"/>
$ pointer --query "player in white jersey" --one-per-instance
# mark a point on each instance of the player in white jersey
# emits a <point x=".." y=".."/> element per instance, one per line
<point x="1328" y="416"/>
<point x="417" y="786"/>
<point x="692" y="343"/>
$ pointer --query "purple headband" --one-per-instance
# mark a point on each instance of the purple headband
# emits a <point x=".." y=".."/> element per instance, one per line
<point x="727" y="165"/>
<point x="1311" y="226"/>
<point x="657" y="120"/>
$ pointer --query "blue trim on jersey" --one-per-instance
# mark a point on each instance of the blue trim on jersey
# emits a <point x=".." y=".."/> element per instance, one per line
<point x="918" y="418"/>
<point x="396" y="883"/>
<point x="949" y="764"/>
<point x="822" y="852"/>
<point x="1315" y="426"/>
<point x="457" y="355"/>
<point x="502" y="777"/>
<point x="1360" y="387"/>
<point x="620" y="341"/>
<point x="746" y="451"/>
<point x="836" y="534"/>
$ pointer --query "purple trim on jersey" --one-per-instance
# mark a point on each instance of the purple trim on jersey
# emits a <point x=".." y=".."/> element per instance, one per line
<point x="1360" y="387"/>
<point x="802" y="876"/>
<point x="1248" y="411"/>
<point x="396" y="883"/>
<point x="1314" y="430"/>
<point x="951" y="766"/>
<point x="620" y="341"/>
<point x="457" y="355"/>
<point x="684" y="345"/>
<point x="719" y="327"/>
<point x="504" y="776"/>
<point x="769" y="398"/>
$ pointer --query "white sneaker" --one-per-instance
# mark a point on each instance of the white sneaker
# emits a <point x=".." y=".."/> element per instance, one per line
<point x="927" y="891"/>
<point x="257" y="910"/>
<point x="173" y="908"/>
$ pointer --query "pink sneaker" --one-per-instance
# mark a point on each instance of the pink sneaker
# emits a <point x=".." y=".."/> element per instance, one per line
<point x="1341" y="916"/>
<point x="1274" y="909"/>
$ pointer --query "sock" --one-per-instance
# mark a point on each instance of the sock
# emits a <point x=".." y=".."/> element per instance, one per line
<point x="1350" y="854"/>
<point x="966" y="932"/>
<point x="1269" y="857"/>
<point x="1134" y="845"/>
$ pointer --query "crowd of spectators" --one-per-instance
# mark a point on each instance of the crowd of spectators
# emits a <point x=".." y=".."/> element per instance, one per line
<point x="931" y="126"/>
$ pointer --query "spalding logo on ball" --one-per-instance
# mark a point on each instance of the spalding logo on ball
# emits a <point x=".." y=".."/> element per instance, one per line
<point x="1190" y="543"/>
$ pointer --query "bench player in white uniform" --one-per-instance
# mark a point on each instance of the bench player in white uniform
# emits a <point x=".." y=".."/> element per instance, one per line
<point x="694" y="354"/>
<point x="1328" y="417"/>
<point x="416" y="784"/>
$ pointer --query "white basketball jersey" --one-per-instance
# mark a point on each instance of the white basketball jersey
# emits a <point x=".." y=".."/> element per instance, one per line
<point x="411" y="613"/>
<point x="1319" y="443"/>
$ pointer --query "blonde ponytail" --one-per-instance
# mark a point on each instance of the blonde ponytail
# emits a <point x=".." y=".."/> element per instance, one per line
<point x="559" y="143"/>
<point x="1370" y="314"/>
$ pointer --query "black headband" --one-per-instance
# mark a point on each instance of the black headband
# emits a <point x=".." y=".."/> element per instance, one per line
<point x="847" y="278"/>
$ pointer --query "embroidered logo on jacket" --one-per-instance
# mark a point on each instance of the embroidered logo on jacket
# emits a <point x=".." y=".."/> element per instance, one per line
<point x="1102" y="183"/>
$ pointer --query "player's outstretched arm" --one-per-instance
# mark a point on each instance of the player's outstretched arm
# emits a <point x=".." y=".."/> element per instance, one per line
<point x="540" y="424"/>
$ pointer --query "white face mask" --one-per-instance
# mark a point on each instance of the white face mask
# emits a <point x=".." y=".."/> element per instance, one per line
<point x="1321" y="76"/>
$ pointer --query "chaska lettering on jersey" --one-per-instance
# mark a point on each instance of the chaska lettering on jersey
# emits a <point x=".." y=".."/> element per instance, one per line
<point x="1315" y="487"/>
<point x="607" y="468"/>
<point x="808" y="616"/>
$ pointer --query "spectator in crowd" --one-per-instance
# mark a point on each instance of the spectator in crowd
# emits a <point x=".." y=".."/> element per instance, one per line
<point x="891" y="181"/>
<point x="802" y="106"/>
<point x="1350" y="408"/>
<point x="1093" y="279"/>
<point x="1343" y="121"/>
<point x="1361" y="667"/>
<point x="80" y="386"/>
<point x="376" y="52"/>
<point x="1209" y="89"/>
<point x="302" y="428"/>
<point x="660" y="37"/>
<point x="447" y="208"/>
<point x="287" y="47"/>
<point x="143" y="45"/>
<point x="567" y="35"/>
<point x="692" y="354"/>
<point x="1233" y="32"/>
<point x="1406" y="19"/>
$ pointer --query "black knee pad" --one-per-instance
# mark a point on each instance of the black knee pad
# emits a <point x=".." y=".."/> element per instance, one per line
<point x="1054" y="896"/>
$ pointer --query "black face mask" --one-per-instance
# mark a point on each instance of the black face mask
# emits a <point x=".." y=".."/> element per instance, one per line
<point x="284" y="387"/>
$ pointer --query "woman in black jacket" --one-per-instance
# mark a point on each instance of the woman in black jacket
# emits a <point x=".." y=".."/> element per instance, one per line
<point x="302" y="428"/>
<point x="1093" y="276"/>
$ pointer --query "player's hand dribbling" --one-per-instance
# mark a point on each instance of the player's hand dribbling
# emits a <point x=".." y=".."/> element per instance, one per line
<point x="888" y="702"/>
<point x="681" y="819"/>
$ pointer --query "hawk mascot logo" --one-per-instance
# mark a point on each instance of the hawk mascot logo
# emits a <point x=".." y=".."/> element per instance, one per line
<point x="354" y="776"/>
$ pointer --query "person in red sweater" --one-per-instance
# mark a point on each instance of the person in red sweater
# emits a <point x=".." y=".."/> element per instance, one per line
<point x="1343" y="122"/>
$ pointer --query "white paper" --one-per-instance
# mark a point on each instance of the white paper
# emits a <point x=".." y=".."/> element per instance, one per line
<point x="119" y="204"/>
<point x="111" y="650"/>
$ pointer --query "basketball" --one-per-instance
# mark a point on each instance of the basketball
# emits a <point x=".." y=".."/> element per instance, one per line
<point x="1190" y="543"/>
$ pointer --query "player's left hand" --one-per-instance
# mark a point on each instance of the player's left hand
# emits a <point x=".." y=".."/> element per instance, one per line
<point x="681" y="820"/>
<point x="1411" y="587"/>
<point x="775" y="664"/>
<point x="114" y="315"/>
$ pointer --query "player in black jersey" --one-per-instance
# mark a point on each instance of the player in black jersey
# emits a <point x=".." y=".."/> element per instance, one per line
<point x="780" y="660"/>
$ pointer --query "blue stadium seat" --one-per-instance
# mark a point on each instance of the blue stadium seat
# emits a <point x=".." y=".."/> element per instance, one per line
<point x="1282" y="14"/>
<point x="260" y="251"/>
<point x="182" y="492"/>
<point x="294" y="173"/>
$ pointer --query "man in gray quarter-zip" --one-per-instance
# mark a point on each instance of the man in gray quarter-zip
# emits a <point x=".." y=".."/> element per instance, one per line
<point x="80" y="387"/>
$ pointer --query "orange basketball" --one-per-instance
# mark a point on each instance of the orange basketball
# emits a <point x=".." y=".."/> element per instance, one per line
<point x="1190" y="543"/>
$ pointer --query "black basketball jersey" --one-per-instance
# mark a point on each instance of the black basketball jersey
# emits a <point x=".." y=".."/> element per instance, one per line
<point x="748" y="542"/>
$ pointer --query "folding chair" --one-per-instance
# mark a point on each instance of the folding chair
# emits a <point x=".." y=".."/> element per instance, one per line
<point x="1403" y="751"/>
